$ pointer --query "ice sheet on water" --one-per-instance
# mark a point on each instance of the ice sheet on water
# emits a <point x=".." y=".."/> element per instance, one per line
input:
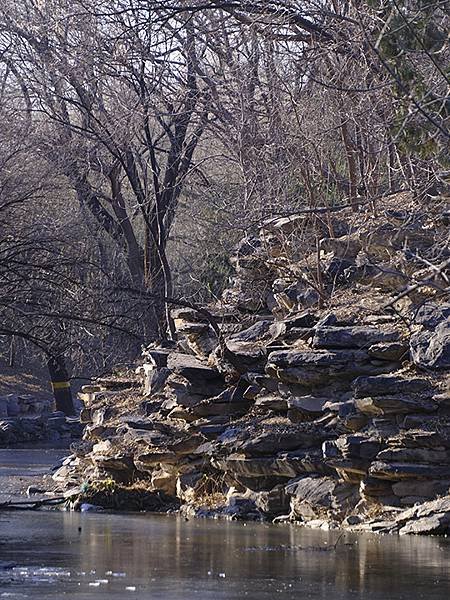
<point x="36" y="575"/>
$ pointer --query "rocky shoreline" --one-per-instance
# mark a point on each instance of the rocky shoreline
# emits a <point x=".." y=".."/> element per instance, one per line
<point x="28" y="421"/>
<point x="316" y="391"/>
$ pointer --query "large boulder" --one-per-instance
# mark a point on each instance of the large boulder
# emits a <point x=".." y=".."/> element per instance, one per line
<point x="429" y="518"/>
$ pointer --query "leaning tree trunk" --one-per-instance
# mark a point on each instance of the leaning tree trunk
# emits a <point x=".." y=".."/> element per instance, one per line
<point x="160" y="285"/>
<point x="59" y="379"/>
<point x="159" y="278"/>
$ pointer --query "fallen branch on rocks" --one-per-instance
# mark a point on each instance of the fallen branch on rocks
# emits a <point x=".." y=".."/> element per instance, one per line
<point x="32" y="504"/>
<point x="317" y="210"/>
<point x="424" y="283"/>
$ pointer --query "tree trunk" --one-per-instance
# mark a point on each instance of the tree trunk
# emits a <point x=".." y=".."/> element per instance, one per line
<point x="59" y="379"/>
<point x="160" y="285"/>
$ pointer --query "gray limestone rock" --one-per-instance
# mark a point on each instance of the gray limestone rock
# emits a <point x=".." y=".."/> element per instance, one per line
<point x="394" y="405"/>
<point x="388" y="385"/>
<point x="313" y="497"/>
<point x="430" y="315"/>
<point x="429" y="518"/>
<point x="431" y="349"/>
<point x="397" y="471"/>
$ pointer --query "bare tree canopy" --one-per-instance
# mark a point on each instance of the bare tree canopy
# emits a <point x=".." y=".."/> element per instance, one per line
<point x="141" y="139"/>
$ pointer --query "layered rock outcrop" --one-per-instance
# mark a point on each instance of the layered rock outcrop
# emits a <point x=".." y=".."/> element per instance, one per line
<point x="331" y="402"/>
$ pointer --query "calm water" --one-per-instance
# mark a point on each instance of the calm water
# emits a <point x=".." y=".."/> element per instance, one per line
<point x="89" y="556"/>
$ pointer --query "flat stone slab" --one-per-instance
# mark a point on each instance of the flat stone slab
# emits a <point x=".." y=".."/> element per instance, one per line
<point x="321" y="358"/>
<point x="401" y="470"/>
<point x="190" y="367"/>
<point x="351" y="337"/>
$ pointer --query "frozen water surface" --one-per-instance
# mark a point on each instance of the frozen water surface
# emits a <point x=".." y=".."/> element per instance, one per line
<point x="161" y="557"/>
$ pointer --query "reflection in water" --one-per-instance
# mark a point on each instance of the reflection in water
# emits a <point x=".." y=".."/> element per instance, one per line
<point x="162" y="557"/>
<point x="91" y="555"/>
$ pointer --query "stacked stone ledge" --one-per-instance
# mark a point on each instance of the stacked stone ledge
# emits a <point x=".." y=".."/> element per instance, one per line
<point x="336" y="417"/>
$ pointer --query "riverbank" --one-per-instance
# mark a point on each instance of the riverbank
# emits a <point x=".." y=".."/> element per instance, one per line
<point x="84" y="556"/>
<point x="315" y="391"/>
